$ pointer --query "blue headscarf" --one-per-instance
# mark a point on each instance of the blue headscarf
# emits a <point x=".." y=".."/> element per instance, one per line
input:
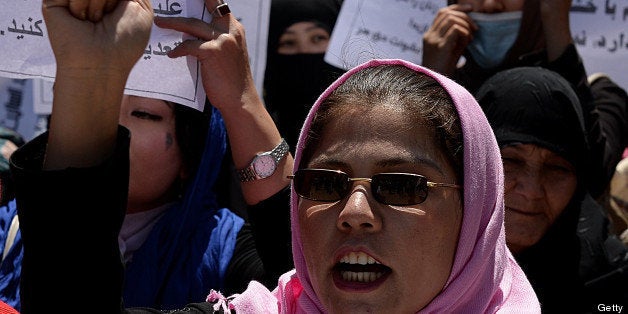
<point x="11" y="266"/>
<point x="188" y="251"/>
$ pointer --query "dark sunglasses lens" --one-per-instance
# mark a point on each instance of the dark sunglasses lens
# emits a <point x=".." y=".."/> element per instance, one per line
<point x="321" y="185"/>
<point x="399" y="188"/>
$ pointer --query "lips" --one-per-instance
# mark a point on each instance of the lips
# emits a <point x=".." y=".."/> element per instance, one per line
<point x="521" y="212"/>
<point x="359" y="271"/>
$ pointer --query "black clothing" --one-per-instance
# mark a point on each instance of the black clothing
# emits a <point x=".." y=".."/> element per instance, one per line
<point x="293" y="82"/>
<point x="56" y="207"/>
<point x="577" y="264"/>
<point x="604" y="108"/>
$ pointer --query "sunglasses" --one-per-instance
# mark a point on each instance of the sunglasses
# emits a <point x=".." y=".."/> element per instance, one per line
<point x="325" y="185"/>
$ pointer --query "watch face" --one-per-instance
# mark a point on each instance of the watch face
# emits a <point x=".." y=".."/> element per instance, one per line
<point x="264" y="165"/>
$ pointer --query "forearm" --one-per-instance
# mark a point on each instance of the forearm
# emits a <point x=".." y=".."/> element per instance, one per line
<point x="69" y="221"/>
<point x="556" y="28"/>
<point x="228" y="83"/>
<point x="93" y="65"/>
<point x="251" y="130"/>
<point x="84" y="121"/>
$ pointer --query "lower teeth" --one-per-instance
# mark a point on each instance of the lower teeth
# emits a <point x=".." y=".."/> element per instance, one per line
<point x="360" y="276"/>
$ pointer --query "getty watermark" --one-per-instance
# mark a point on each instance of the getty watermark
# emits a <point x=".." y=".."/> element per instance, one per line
<point x="616" y="308"/>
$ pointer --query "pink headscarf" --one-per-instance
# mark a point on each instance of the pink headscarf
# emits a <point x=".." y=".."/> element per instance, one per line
<point x="484" y="278"/>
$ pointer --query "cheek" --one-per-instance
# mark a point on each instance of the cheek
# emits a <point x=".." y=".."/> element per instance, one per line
<point x="150" y="146"/>
<point x="513" y="5"/>
<point x="560" y="193"/>
<point x="317" y="224"/>
<point x="425" y="252"/>
<point x="318" y="45"/>
<point x="155" y="155"/>
<point x="509" y="184"/>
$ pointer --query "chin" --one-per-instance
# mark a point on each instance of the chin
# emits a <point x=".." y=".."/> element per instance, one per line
<point x="517" y="246"/>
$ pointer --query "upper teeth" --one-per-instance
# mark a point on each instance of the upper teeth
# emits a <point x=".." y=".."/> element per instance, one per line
<point x="358" y="258"/>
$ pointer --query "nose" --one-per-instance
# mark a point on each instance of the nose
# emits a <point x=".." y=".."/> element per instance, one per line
<point x="303" y="46"/>
<point x="490" y="6"/>
<point x="529" y="183"/>
<point x="358" y="214"/>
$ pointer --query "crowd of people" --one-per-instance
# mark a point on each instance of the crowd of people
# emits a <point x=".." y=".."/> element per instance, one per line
<point x="490" y="186"/>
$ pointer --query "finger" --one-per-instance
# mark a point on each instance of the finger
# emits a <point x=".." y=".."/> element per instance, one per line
<point x="95" y="10"/>
<point x="444" y="26"/>
<point x="462" y="17"/>
<point x="110" y="5"/>
<point x="191" y="26"/>
<point x="145" y="4"/>
<point x="461" y="10"/>
<point x="213" y="6"/>
<point x="78" y="8"/>
<point x="462" y="7"/>
<point x="187" y="48"/>
<point x="460" y="37"/>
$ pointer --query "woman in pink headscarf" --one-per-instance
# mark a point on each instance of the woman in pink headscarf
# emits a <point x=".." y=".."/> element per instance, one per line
<point x="396" y="206"/>
<point x="397" y="203"/>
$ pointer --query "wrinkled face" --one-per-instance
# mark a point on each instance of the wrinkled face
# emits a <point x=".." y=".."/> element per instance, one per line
<point x="303" y="38"/>
<point x="155" y="158"/>
<point x="539" y="185"/>
<point x="407" y="251"/>
<point x="494" y="6"/>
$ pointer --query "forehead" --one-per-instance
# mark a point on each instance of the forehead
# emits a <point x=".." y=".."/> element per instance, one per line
<point x="154" y="103"/>
<point x="533" y="152"/>
<point x="380" y="134"/>
<point x="303" y="27"/>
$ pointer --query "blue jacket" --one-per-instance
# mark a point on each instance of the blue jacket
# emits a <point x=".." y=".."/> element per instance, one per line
<point x="186" y="254"/>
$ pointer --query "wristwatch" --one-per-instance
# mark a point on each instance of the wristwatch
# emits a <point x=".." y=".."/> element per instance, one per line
<point x="264" y="164"/>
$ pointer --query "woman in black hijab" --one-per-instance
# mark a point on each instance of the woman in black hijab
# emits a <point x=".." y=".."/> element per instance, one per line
<point x="555" y="229"/>
<point x="295" y="77"/>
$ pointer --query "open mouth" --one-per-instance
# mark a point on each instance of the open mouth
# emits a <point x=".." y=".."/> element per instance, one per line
<point x="359" y="271"/>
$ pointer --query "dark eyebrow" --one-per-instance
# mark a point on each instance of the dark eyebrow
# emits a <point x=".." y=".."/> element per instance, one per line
<point x="310" y="28"/>
<point x="334" y="163"/>
<point x="313" y="27"/>
<point x="400" y="161"/>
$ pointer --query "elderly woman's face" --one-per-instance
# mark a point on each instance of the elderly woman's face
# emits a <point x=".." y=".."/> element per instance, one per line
<point x="366" y="256"/>
<point x="539" y="185"/>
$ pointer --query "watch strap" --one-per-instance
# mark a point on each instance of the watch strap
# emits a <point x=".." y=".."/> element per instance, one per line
<point x="249" y="174"/>
<point x="280" y="151"/>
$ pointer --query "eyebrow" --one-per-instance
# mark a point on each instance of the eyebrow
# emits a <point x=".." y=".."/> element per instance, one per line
<point x="308" y="29"/>
<point x="332" y="162"/>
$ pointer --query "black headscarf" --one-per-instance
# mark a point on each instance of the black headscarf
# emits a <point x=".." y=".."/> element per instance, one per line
<point x="537" y="106"/>
<point x="293" y="82"/>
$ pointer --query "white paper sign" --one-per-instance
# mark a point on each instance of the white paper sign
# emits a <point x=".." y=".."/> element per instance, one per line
<point x="395" y="28"/>
<point x="600" y="31"/>
<point x="26" y="51"/>
<point x="380" y="29"/>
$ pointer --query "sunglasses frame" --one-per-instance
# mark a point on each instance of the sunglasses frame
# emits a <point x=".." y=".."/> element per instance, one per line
<point x="428" y="184"/>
